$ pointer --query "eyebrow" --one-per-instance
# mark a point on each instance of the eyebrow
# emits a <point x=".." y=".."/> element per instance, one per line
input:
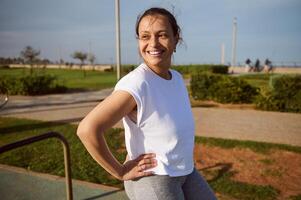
<point x="160" y="31"/>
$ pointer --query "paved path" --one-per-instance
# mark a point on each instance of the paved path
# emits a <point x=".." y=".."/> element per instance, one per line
<point x="262" y="126"/>
<point x="59" y="107"/>
<point x="17" y="183"/>
<point x="239" y="124"/>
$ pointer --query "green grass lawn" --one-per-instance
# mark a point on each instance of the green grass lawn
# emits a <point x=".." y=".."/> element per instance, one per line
<point x="72" y="79"/>
<point x="47" y="156"/>
<point x="258" y="80"/>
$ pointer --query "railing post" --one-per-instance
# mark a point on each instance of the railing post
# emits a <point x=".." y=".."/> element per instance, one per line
<point x="67" y="162"/>
<point x="44" y="136"/>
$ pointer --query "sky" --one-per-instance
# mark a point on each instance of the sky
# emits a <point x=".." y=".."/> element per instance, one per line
<point x="265" y="29"/>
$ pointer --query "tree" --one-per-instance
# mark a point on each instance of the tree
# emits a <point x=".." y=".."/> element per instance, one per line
<point x="91" y="59"/>
<point x="29" y="55"/>
<point x="82" y="57"/>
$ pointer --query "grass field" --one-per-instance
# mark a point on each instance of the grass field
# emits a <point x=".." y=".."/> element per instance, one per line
<point x="47" y="157"/>
<point x="72" y="79"/>
<point x="95" y="80"/>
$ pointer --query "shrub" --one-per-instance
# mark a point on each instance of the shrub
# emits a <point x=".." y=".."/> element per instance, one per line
<point x="4" y="66"/>
<point x="36" y="84"/>
<point x="234" y="90"/>
<point x="284" y="94"/>
<point x="221" y="88"/>
<point x="265" y="101"/>
<point x="9" y="85"/>
<point x="111" y="69"/>
<point x="201" y="85"/>
<point x="183" y="69"/>
<point x="127" y="68"/>
<point x="216" y="69"/>
<point x="193" y="69"/>
<point x="31" y="85"/>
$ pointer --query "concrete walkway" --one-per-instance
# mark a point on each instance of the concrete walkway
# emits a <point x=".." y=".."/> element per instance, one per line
<point x="20" y="184"/>
<point x="275" y="127"/>
<point x="58" y="107"/>
<point x="254" y="125"/>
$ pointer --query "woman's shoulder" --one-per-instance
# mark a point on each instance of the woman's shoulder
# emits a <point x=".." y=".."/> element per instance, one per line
<point x="175" y="72"/>
<point x="133" y="79"/>
<point x="177" y="75"/>
<point x="137" y="75"/>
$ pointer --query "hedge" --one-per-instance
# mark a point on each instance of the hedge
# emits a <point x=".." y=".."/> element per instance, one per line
<point x="31" y="85"/>
<point x="283" y="95"/>
<point x="221" y="88"/>
<point x="194" y="69"/>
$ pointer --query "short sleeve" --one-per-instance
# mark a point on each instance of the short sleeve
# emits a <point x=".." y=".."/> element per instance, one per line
<point x="131" y="85"/>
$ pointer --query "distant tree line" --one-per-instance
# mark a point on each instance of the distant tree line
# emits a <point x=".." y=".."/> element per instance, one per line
<point x="30" y="56"/>
<point x="19" y="60"/>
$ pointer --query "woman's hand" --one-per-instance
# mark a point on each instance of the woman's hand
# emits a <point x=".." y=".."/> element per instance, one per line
<point x="137" y="168"/>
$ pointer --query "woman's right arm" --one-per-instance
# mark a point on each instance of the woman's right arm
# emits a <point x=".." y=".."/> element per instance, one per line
<point x="91" y="132"/>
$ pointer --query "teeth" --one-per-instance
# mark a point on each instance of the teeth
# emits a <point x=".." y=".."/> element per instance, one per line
<point x="154" y="52"/>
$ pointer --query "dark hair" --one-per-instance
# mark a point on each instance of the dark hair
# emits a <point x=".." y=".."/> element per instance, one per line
<point x="160" y="11"/>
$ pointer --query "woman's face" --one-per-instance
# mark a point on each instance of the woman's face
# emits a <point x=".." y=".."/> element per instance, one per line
<point x="156" y="41"/>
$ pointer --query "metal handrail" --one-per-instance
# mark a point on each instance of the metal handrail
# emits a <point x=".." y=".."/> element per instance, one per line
<point x="44" y="136"/>
<point x="4" y="99"/>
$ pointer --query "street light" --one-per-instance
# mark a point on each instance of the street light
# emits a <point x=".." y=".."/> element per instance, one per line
<point x="118" y="53"/>
<point x="223" y="54"/>
<point x="233" y="61"/>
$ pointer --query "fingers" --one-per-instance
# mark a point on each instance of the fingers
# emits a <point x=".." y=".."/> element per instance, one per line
<point x="148" y="155"/>
<point x="145" y="162"/>
<point x="140" y="166"/>
<point x="145" y="159"/>
<point x="148" y="173"/>
<point x="143" y="167"/>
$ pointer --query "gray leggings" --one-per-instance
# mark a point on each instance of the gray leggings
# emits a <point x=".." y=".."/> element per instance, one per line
<point x="158" y="187"/>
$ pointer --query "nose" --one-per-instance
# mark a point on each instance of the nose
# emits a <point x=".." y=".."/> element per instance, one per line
<point x="154" y="41"/>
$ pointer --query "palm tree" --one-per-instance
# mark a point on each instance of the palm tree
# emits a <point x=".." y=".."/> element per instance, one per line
<point x="82" y="57"/>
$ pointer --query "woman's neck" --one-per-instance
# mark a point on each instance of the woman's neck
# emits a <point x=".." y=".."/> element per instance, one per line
<point x="162" y="71"/>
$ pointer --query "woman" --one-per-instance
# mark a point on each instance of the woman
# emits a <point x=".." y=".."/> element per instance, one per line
<point x="157" y="117"/>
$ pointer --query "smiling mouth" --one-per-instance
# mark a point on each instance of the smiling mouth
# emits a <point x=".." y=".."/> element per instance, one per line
<point x="155" y="53"/>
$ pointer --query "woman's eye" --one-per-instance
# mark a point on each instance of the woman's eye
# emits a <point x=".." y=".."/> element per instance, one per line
<point x="163" y="36"/>
<point x="144" y="37"/>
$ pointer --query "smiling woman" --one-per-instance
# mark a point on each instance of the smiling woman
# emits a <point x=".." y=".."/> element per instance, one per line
<point x="154" y="104"/>
<point x="158" y="37"/>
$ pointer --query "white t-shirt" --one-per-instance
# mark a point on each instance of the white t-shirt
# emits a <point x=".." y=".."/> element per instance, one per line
<point x="165" y="124"/>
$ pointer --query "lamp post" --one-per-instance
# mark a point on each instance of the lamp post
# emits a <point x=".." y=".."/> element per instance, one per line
<point x="118" y="53"/>
<point x="223" y="54"/>
<point x="233" y="60"/>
